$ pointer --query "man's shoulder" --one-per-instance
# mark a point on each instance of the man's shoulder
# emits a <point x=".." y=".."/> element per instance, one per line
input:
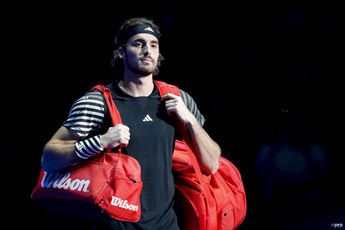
<point x="90" y="97"/>
<point x="165" y="87"/>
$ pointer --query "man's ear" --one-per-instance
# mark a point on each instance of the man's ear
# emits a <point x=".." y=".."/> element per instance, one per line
<point x="121" y="52"/>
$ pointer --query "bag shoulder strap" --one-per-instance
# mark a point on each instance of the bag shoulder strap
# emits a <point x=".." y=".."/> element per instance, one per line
<point x="163" y="89"/>
<point x="114" y="112"/>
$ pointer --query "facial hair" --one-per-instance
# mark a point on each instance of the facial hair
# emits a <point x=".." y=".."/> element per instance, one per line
<point x="139" y="70"/>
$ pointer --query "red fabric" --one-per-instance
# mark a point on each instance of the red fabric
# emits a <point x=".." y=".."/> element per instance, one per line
<point x="212" y="202"/>
<point x="165" y="88"/>
<point x="111" y="180"/>
<point x="205" y="202"/>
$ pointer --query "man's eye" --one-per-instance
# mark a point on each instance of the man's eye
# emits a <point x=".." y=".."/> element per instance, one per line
<point x="138" y="44"/>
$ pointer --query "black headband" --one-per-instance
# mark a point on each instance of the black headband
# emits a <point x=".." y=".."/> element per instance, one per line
<point x="131" y="31"/>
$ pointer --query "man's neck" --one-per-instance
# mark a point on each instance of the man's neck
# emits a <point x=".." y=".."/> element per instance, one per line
<point x="138" y="87"/>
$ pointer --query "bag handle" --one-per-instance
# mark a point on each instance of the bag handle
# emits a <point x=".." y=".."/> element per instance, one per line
<point x="163" y="89"/>
<point x="114" y="112"/>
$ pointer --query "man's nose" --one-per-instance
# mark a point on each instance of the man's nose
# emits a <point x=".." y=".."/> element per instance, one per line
<point x="147" y="50"/>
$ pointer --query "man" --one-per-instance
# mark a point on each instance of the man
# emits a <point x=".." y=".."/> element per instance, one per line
<point x="150" y="126"/>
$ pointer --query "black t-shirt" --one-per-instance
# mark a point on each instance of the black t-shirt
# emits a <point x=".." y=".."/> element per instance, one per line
<point x="152" y="135"/>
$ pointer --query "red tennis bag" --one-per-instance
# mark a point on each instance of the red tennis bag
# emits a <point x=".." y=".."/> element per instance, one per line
<point x="205" y="202"/>
<point x="110" y="182"/>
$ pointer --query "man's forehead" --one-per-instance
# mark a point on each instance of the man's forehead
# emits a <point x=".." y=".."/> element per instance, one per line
<point x="143" y="36"/>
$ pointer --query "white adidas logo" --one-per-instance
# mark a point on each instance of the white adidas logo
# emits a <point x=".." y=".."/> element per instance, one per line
<point x="147" y="118"/>
<point x="149" y="29"/>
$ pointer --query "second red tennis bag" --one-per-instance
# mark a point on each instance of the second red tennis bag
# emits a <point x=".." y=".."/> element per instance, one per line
<point x="205" y="202"/>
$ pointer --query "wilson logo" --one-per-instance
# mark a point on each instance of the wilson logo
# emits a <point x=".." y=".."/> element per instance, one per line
<point x="118" y="202"/>
<point x="63" y="181"/>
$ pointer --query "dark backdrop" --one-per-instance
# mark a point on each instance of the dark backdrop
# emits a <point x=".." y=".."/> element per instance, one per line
<point x="265" y="75"/>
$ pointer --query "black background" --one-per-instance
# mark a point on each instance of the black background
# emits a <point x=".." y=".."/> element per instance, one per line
<point x="252" y="67"/>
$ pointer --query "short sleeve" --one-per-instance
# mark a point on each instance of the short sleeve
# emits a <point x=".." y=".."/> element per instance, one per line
<point x="192" y="106"/>
<point x="86" y="115"/>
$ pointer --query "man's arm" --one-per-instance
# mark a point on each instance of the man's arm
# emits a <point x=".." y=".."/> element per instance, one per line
<point x="206" y="149"/>
<point x="59" y="151"/>
<point x="65" y="149"/>
<point x="203" y="145"/>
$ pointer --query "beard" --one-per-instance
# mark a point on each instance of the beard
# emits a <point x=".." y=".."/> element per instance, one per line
<point x="141" y="70"/>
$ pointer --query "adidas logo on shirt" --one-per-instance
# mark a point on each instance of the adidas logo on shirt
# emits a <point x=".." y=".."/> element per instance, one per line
<point x="147" y="118"/>
<point x="149" y="29"/>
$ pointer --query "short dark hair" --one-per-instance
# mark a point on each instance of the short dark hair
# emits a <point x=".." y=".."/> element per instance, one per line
<point x="121" y="40"/>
